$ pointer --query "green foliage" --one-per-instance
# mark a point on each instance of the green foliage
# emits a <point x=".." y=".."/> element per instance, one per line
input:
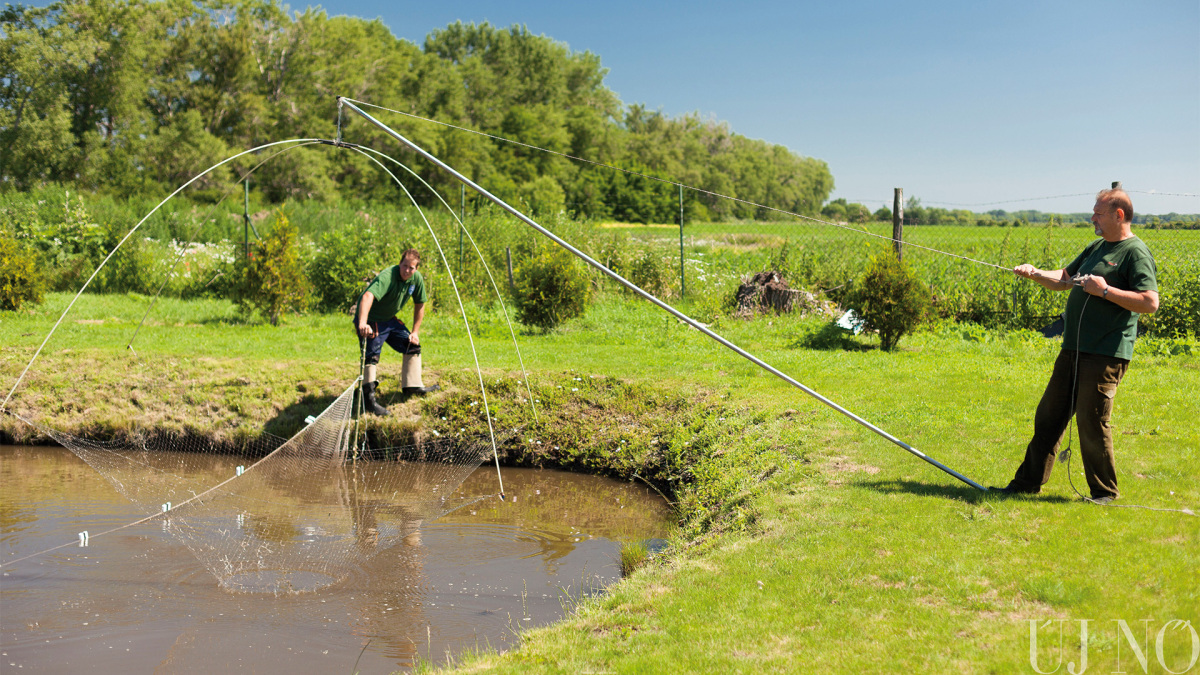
<point x="1178" y="314"/>
<point x="337" y="269"/>
<point x="21" y="277"/>
<point x="273" y="280"/>
<point x="653" y="272"/>
<point x="134" y="97"/>
<point x="552" y="286"/>
<point x="890" y="298"/>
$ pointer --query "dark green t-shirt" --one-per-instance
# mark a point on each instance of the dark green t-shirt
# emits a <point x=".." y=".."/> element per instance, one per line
<point x="391" y="292"/>
<point x="1107" y="328"/>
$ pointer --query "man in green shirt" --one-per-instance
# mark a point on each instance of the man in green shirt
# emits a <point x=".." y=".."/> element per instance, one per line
<point x="377" y="322"/>
<point x="1111" y="282"/>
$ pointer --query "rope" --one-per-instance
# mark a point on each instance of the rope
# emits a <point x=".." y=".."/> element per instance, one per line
<point x="682" y="185"/>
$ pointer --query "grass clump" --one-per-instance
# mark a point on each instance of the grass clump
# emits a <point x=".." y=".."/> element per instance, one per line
<point x="633" y="556"/>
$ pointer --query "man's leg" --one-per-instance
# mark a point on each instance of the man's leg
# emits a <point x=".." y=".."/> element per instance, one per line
<point x="1098" y="380"/>
<point x="373" y="348"/>
<point x="1049" y="422"/>
<point x="410" y="367"/>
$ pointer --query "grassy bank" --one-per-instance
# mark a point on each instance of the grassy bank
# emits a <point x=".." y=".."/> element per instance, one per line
<point x="809" y="543"/>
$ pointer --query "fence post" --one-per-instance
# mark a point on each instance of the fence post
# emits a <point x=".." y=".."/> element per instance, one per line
<point x="898" y="222"/>
<point x="462" y="204"/>
<point x="1116" y="185"/>
<point x="508" y="257"/>
<point x="682" y="282"/>
<point x="246" y="217"/>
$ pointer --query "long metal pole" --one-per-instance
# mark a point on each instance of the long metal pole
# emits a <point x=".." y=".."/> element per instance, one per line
<point x="661" y="305"/>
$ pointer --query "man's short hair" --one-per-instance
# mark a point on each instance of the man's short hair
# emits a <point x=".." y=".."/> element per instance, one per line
<point x="1117" y="199"/>
<point x="414" y="254"/>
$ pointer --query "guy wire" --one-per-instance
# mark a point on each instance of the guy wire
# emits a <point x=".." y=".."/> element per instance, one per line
<point x="676" y="183"/>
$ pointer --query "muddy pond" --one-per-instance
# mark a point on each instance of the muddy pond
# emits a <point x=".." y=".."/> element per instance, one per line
<point x="138" y="601"/>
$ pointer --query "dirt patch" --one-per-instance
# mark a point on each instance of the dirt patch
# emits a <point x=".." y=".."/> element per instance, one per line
<point x="844" y="465"/>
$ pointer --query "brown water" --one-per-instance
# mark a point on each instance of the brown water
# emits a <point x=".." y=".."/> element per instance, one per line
<point x="138" y="601"/>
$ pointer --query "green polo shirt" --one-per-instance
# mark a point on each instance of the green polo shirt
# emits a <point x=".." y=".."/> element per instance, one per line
<point x="391" y="292"/>
<point x="1107" y="328"/>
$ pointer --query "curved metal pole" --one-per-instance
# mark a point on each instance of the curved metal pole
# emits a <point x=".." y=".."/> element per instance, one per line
<point x="4" y="405"/>
<point x="661" y="305"/>
<point x="184" y="250"/>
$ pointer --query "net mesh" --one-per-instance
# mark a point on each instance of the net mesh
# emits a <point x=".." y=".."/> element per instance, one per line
<point x="288" y="515"/>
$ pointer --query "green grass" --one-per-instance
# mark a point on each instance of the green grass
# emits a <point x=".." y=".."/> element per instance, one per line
<point x="808" y="543"/>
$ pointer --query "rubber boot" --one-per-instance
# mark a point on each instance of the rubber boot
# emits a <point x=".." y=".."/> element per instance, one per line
<point x="369" y="403"/>
<point x="410" y="376"/>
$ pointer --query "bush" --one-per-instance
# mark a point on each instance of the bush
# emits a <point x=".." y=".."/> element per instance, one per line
<point x="551" y="286"/>
<point x="273" y="278"/>
<point x="890" y="299"/>
<point x="1178" y="314"/>
<point x="337" y="268"/>
<point x="652" y="273"/>
<point x="21" y="277"/>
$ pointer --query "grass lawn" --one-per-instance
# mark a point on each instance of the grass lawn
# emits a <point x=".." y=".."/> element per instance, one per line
<point x="808" y="543"/>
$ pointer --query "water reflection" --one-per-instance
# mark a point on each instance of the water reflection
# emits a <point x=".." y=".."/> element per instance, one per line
<point x="139" y="601"/>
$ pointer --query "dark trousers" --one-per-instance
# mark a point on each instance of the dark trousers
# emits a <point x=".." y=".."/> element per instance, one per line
<point x="1095" y="381"/>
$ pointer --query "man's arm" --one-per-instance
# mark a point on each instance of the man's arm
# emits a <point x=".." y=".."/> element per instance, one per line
<point x="364" y="309"/>
<point x="1058" y="280"/>
<point x="1142" y="302"/>
<point x="418" y="317"/>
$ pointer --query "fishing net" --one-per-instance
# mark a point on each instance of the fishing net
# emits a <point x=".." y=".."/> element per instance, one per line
<point x="288" y="515"/>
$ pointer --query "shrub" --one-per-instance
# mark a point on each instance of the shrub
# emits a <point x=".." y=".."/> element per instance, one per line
<point x="890" y="299"/>
<point x="273" y="278"/>
<point x="337" y="268"/>
<point x="1178" y="314"/>
<point x="21" y="277"/>
<point x="652" y="273"/>
<point x="551" y="286"/>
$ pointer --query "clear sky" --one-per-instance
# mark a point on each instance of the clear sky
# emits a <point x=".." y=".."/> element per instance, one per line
<point x="958" y="102"/>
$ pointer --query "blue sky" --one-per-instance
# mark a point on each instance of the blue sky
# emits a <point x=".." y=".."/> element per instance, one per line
<point x="956" y="102"/>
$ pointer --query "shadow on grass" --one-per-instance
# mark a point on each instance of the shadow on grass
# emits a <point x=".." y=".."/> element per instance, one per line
<point x="830" y="337"/>
<point x="961" y="492"/>
<point x="291" y="419"/>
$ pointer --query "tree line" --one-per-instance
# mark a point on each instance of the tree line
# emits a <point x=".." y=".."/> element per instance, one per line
<point x="133" y="97"/>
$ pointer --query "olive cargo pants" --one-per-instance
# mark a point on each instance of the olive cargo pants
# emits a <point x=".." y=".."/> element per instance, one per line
<point x="1095" y="385"/>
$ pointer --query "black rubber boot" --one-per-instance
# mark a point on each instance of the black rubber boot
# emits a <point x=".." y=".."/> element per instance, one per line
<point x="369" y="402"/>
<point x="419" y="391"/>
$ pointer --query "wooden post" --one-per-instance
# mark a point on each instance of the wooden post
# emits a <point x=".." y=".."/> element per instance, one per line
<point x="508" y="256"/>
<point x="1116" y="185"/>
<point x="898" y="222"/>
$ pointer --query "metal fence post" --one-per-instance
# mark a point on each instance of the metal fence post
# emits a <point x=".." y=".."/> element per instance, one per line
<point x="682" y="282"/>
<point x="898" y="222"/>
<point x="246" y="217"/>
<point x="462" y="205"/>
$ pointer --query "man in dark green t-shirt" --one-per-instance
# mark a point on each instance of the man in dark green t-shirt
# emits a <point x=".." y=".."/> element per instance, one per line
<point x="1111" y="282"/>
<point x="377" y="322"/>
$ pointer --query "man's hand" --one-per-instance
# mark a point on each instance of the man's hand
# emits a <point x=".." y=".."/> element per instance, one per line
<point x="365" y="330"/>
<point x="1027" y="271"/>
<point x="1093" y="284"/>
<point x="412" y="337"/>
